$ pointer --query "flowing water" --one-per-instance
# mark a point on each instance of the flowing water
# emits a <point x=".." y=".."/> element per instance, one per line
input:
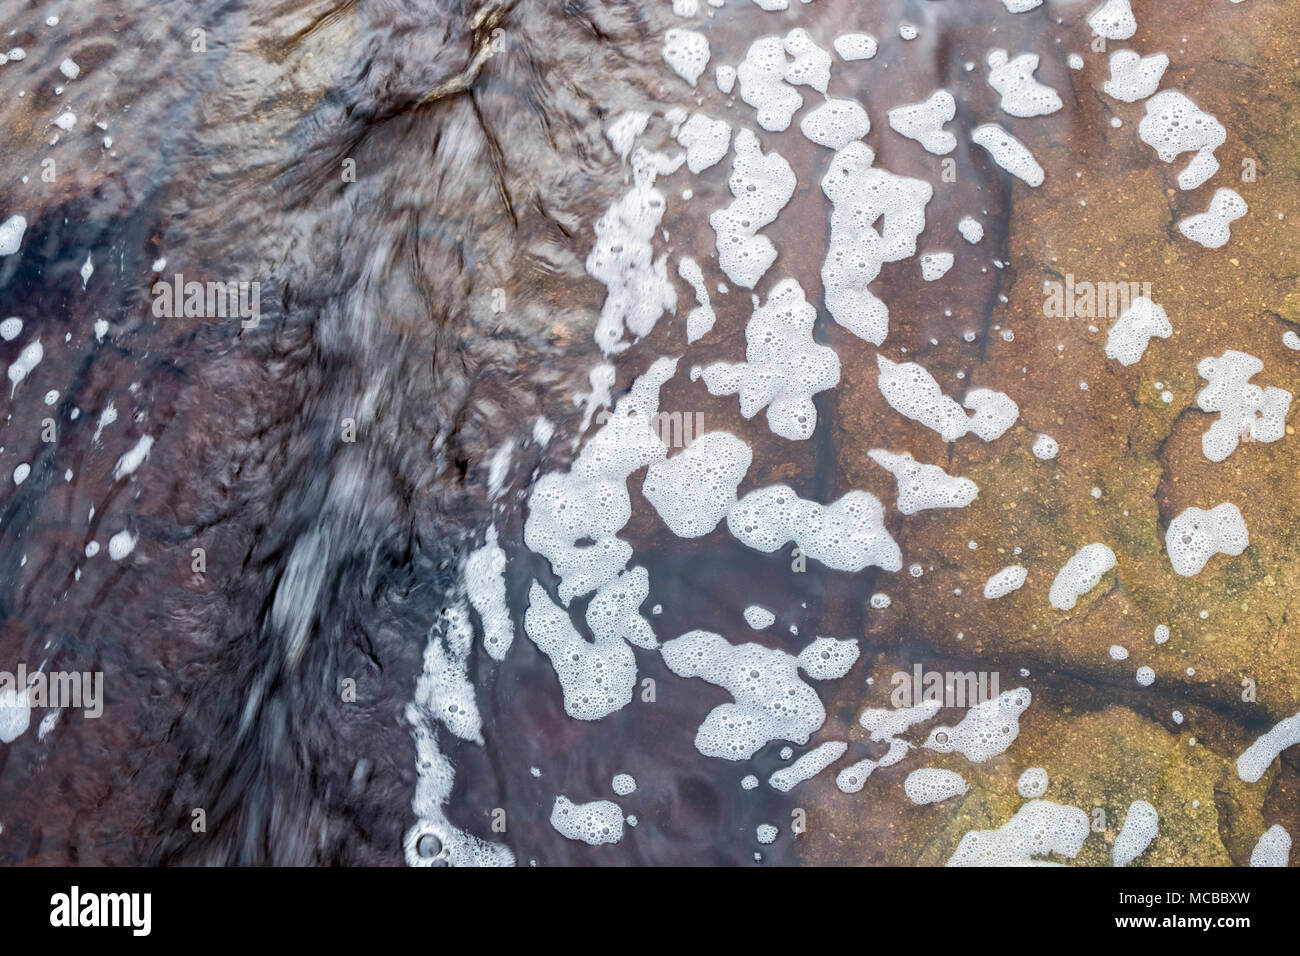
<point x="414" y="188"/>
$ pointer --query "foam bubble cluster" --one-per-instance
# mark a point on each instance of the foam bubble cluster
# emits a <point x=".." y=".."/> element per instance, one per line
<point x="1259" y="755"/>
<point x="1032" y="783"/>
<point x="1141" y="825"/>
<point x="762" y="183"/>
<point x="987" y="730"/>
<point x="1173" y="124"/>
<point x="700" y="320"/>
<point x="836" y="123"/>
<point x="1039" y="828"/>
<point x="759" y="618"/>
<point x="1134" y="77"/>
<point x="922" y="487"/>
<point x="876" y="218"/>
<point x="600" y="821"/>
<point x="771" y="701"/>
<point x="1273" y="848"/>
<point x="762" y="76"/>
<point x="694" y="489"/>
<point x="1081" y="574"/>
<point x="485" y="586"/>
<point x="705" y="140"/>
<point x="1009" y="153"/>
<point x="913" y="392"/>
<point x="1127" y="340"/>
<point x="783" y="366"/>
<point x="1213" y="228"/>
<point x="924" y="122"/>
<point x="1246" y="411"/>
<point x="846" y="535"/>
<point x="1113" y="20"/>
<point x="1197" y="535"/>
<point x="1013" y="78"/>
<point x="807" y="766"/>
<point x="929" y="785"/>
<point x="828" y="658"/>
<point x="1046" y="447"/>
<point x="597" y="678"/>
<point x="687" y="52"/>
<point x="1011" y="578"/>
<point x="855" y="46"/>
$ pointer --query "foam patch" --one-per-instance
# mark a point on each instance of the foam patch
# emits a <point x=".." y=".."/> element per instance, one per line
<point x="597" y="678"/>
<point x="1246" y="412"/>
<point x="1113" y="20"/>
<point x="1273" y="848"/>
<point x="1032" y="783"/>
<point x="1213" y="228"/>
<point x="809" y="64"/>
<point x="1039" y="828"/>
<point x="771" y="701"/>
<point x="614" y="613"/>
<point x="759" y="618"/>
<point x="1261" y="754"/>
<point x="846" y="535"/>
<point x="700" y="320"/>
<point x="1134" y="77"/>
<point x="783" y="368"/>
<point x="924" y="122"/>
<point x="863" y="197"/>
<point x="885" y="725"/>
<point x="762" y="184"/>
<point x="1081" y="574"/>
<point x="693" y="490"/>
<point x="912" y="392"/>
<point x="1127" y="340"/>
<point x="1046" y="447"/>
<point x="762" y="77"/>
<point x="970" y="229"/>
<point x="835" y="123"/>
<point x="1173" y="125"/>
<point x="1011" y="578"/>
<point x="929" y="785"/>
<point x="1022" y="95"/>
<point x="987" y="730"/>
<point x="1141" y="825"/>
<point x="855" y="46"/>
<point x="923" y="487"/>
<point x="807" y="766"/>
<point x="1197" y="535"/>
<point x="828" y="658"/>
<point x="1009" y="153"/>
<point x="705" y="140"/>
<point x="687" y="52"/>
<point x="935" y="265"/>
<point x="595" y="823"/>
<point x="485" y="586"/>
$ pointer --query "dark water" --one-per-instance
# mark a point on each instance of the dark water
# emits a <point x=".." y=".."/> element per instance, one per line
<point x="476" y="135"/>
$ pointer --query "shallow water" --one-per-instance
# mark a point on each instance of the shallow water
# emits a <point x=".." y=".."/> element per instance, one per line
<point x="437" y="301"/>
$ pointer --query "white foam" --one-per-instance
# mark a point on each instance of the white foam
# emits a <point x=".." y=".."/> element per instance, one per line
<point x="1141" y="825"/>
<point x="1197" y="535"/>
<point x="11" y="328"/>
<point x="929" y="785"/>
<point x="687" y="52"/>
<point x="1273" y="848"/>
<point x="1032" y="783"/>
<point x="970" y="229"/>
<point x="762" y="184"/>
<point x="1173" y="124"/>
<point x="1145" y="676"/>
<point x="855" y="46"/>
<point x="765" y="833"/>
<point x="1113" y="20"/>
<point x="1046" y="447"/>
<point x="1021" y="6"/>
<point x="590" y="502"/>
<point x="725" y="77"/>
<point x="1039" y="827"/>
<point x="884" y="725"/>
<point x="700" y="320"/>
<point x="1213" y="228"/>
<point x="614" y="613"/>
<point x="759" y="618"/>
<point x="705" y="140"/>
<point x="863" y="197"/>
<point x="935" y="265"/>
<point x="783" y="366"/>
<point x="771" y="701"/>
<point x="828" y="658"/>
<point x="1011" y="578"/>
<point x="987" y="730"/>
<point x="924" y="122"/>
<point x="133" y="459"/>
<point x="1118" y="653"/>
<point x="809" y="65"/>
<point x="1022" y="95"/>
<point x="807" y="766"/>
<point x="1128" y="337"/>
<point x="1009" y="153"/>
<point x="121" y="544"/>
<point x="922" y="487"/>
<point x="485" y="586"/>
<point x="835" y="123"/>
<point x="623" y="784"/>
<point x="762" y="76"/>
<point x="1247" y="412"/>
<point x="1081" y="574"/>
<point x="639" y="290"/>
<point x="595" y="823"/>
<point x="443" y="690"/>
<point x="1134" y="77"/>
<point x="1259" y="755"/>
<point x="846" y="535"/>
<point x="693" y="490"/>
<point x="597" y="678"/>
<point x="1161" y="633"/>
<point x="913" y="392"/>
<point x="25" y="363"/>
<point x="1289" y="339"/>
<point x="15" y="713"/>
